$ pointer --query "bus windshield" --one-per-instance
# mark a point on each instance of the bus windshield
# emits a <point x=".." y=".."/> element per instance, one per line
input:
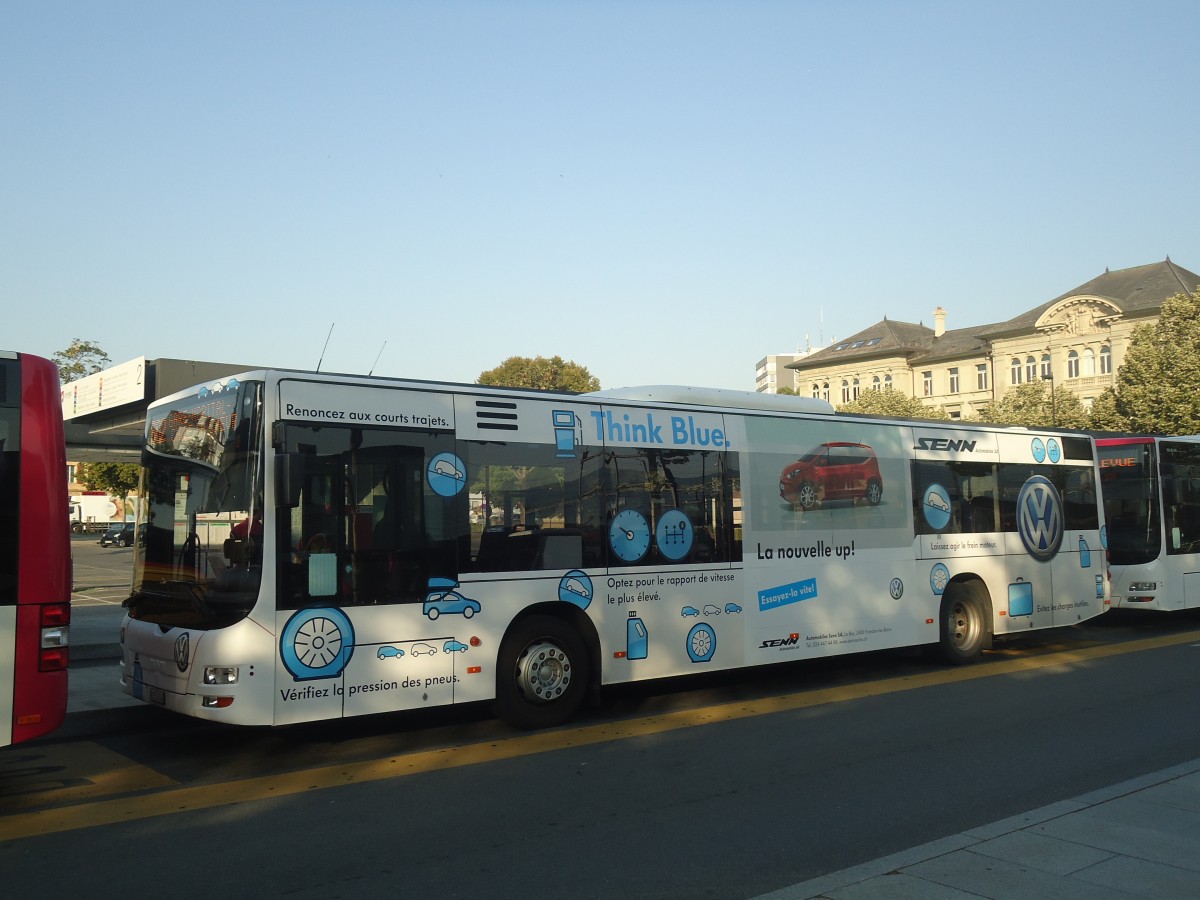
<point x="198" y="562"/>
<point x="1131" y="509"/>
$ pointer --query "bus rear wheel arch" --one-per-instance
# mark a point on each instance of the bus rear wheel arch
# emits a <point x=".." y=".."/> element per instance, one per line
<point x="542" y="673"/>
<point x="965" y="622"/>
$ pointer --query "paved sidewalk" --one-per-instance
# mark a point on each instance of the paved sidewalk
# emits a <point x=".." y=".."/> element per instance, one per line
<point x="95" y="702"/>
<point x="1140" y="838"/>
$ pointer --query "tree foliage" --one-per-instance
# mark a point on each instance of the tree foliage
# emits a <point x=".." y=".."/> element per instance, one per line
<point x="891" y="402"/>
<point x="1034" y="405"/>
<point x="79" y="360"/>
<point x="1104" y="416"/>
<point x="116" y="479"/>
<point x="554" y="374"/>
<point x="1158" y="386"/>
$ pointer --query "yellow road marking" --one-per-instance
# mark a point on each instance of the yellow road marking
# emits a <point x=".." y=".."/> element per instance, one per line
<point x="34" y="776"/>
<point x="267" y="787"/>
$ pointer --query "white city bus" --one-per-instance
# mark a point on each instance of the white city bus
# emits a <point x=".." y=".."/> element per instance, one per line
<point x="318" y="546"/>
<point x="1151" y="493"/>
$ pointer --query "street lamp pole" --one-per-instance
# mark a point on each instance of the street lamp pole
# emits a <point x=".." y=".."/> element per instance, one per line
<point x="1053" y="402"/>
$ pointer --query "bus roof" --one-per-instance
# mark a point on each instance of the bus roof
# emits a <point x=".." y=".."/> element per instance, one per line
<point x="698" y="396"/>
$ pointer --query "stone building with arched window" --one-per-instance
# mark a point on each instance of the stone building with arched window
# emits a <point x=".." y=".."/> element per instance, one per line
<point x="1077" y="341"/>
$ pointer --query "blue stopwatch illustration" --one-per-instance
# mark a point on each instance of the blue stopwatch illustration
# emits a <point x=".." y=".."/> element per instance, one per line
<point x="629" y="535"/>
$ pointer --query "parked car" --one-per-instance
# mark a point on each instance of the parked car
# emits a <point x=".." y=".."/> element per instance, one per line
<point x="833" y="471"/>
<point x="119" y="535"/>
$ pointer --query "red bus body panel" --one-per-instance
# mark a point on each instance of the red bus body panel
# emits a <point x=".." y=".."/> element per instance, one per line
<point x="44" y="560"/>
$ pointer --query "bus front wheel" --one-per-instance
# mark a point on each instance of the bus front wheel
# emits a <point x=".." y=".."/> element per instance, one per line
<point x="542" y="673"/>
<point x="964" y="626"/>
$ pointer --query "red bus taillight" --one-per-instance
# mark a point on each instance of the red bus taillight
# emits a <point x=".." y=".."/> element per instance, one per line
<point x="53" y="653"/>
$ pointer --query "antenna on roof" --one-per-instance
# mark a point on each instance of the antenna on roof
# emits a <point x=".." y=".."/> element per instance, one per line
<point x="374" y="364"/>
<point x="322" y="359"/>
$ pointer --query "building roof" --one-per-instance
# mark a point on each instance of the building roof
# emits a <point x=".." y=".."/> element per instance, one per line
<point x="890" y="338"/>
<point x="1139" y="290"/>
<point x="956" y="343"/>
<point x="886" y="338"/>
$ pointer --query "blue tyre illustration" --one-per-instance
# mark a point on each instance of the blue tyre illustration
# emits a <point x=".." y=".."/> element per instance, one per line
<point x="317" y="643"/>
<point x="701" y="642"/>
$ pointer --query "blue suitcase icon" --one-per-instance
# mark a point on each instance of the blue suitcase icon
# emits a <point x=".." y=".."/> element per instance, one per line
<point x="1020" y="598"/>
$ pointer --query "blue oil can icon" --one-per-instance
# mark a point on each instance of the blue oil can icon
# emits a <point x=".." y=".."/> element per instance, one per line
<point x="566" y="428"/>
<point x="637" y="639"/>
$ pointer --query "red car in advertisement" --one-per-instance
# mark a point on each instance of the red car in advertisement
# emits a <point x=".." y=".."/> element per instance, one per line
<point x="835" y="471"/>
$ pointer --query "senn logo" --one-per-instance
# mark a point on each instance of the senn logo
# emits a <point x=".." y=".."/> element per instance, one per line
<point x="1040" y="518"/>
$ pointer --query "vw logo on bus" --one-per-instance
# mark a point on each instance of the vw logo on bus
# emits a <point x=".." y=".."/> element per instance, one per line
<point x="182" y="650"/>
<point x="1040" y="518"/>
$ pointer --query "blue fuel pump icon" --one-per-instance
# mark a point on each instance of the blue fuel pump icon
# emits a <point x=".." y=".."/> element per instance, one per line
<point x="566" y="432"/>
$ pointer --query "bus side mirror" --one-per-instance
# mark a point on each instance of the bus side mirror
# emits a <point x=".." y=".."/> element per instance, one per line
<point x="289" y="479"/>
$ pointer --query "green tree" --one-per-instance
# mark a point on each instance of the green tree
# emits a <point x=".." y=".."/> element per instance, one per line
<point x="891" y="402"/>
<point x="1158" y="386"/>
<point x="81" y="359"/>
<point x="1103" y="416"/>
<point x="789" y="391"/>
<point x="1033" y="405"/>
<point x="554" y="374"/>
<point x="116" y="479"/>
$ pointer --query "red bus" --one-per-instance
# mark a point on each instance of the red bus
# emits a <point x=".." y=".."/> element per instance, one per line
<point x="35" y="550"/>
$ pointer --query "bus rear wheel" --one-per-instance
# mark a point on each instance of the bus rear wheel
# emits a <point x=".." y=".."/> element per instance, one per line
<point x="964" y="626"/>
<point x="542" y="673"/>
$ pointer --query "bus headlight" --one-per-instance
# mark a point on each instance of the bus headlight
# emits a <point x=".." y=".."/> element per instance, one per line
<point x="220" y="674"/>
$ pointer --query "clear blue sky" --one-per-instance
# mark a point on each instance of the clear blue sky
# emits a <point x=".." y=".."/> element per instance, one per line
<point x="664" y="192"/>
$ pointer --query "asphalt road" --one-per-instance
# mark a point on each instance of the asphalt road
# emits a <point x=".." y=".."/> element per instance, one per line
<point x="725" y="786"/>
<point x="102" y="575"/>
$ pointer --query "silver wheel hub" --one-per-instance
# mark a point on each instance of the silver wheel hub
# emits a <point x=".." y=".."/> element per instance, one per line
<point x="543" y="672"/>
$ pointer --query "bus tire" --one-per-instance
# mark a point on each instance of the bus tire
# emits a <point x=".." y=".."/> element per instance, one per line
<point x="541" y="673"/>
<point x="964" y="625"/>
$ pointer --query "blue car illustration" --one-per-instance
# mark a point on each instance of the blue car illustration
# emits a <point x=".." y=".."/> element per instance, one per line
<point x="732" y="608"/>
<point x="442" y="598"/>
<point x="390" y="652"/>
<point x="454" y="647"/>
<point x="689" y="611"/>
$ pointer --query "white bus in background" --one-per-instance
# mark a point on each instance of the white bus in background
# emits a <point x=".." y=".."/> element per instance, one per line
<point x="320" y="546"/>
<point x="1151" y="492"/>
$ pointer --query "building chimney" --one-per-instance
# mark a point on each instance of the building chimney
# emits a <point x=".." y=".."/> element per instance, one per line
<point x="939" y="322"/>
